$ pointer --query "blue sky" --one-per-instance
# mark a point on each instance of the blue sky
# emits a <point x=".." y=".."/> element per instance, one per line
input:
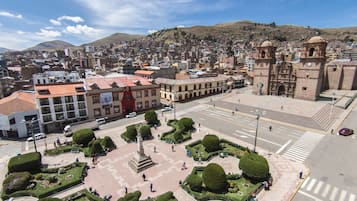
<point x="24" y="23"/>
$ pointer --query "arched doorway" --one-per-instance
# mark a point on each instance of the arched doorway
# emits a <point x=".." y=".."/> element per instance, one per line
<point x="281" y="90"/>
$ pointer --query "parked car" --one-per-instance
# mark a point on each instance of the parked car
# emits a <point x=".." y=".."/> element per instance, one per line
<point x="101" y="121"/>
<point x="37" y="136"/>
<point x="345" y="131"/>
<point x="165" y="109"/>
<point x="130" y="115"/>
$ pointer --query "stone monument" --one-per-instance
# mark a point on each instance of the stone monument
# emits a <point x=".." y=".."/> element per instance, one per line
<point x="140" y="161"/>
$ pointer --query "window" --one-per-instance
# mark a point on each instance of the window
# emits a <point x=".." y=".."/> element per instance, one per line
<point x="146" y="93"/>
<point x="12" y="121"/>
<point x="43" y="92"/>
<point x="68" y="99"/>
<point x="71" y="115"/>
<point x="58" y="108"/>
<point x="179" y="89"/>
<point x="107" y="110"/>
<point x="311" y="52"/>
<point x="97" y="112"/>
<point x="80" y="98"/>
<point x="45" y="110"/>
<point x="44" y="101"/>
<point x="186" y="88"/>
<point x="47" y="118"/>
<point x="116" y="109"/>
<point x="81" y="105"/>
<point x="57" y="100"/>
<point x="80" y="89"/>
<point x="69" y="107"/>
<point x="304" y="88"/>
<point x="82" y="113"/>
<point x="138" y="94"/>
<point x="263" y="54"/>
<point x="139" y="105"/>
<point x="115" y="96"/>
<point x="194" y="87"/>
<point x="95" y="99"/>
<point x="334" y="69"/>
<point x="146" y="104"/>
<point x="59" y="116"/>
<point x="153" y="103"/>
<point x="153" y="92"/>
<point x="199" y="86"/>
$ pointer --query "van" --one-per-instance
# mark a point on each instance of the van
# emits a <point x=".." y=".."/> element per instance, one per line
<point x="37" y="136"/>
<point x="100" y="121"/>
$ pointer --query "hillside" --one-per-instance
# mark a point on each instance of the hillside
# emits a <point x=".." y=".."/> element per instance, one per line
<point x="115" y="38"/>
<point x="2" y="50"/>
<point x="51" y="45"/>
<point x="247" y="31"/>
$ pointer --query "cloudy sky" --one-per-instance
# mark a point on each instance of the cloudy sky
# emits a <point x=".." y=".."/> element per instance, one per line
<point x="24" y="23"/>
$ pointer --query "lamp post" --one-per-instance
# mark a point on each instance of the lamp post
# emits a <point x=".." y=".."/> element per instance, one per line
<point x="258" y="114"/>
<point x="332" y="104"/>
<point x="174" y="105"/>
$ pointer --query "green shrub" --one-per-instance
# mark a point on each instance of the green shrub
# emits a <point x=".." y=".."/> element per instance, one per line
<point x="151" y="117"/>
<point x="16" y="181"/>
<point x="166" y="196"/>
<point x="108" y="143"/>
<point x="254" y="166"/>
<point x="25" y="162"/>
<point x="95" y="147"/>
<point x="186" y="123"/>
<point x="145" y="132"/>
<point x="83" y="137"/>
<point x="211" y="143"/>
<point x="178" y="137"/>
<point x="134" y="196"/>
<point x="195" y="182"/>
<point x="215" y="178"/>
<point x="50" y="199"/>
<point x="131" y="132"/>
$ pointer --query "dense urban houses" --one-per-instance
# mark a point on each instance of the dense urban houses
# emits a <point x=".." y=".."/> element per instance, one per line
<point x="50" y="77"/>
<point x="188" y="89"/>
<point x="61" y="104"/>
<point x="16" y="114"/>
<point x="115" y="96"/>
<point x="153" y="72"/>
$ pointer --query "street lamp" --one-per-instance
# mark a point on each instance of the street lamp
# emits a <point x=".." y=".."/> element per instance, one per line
<point x="332" y="104"/>
<point x="258" y="114"/>
<point x="174" y="105"/>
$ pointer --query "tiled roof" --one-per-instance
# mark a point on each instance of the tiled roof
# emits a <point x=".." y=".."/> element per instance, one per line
<point x="144" y="72"/>
<point x="19" y="101"/>
<point x="57" y="90"/>
<point x="190" y="81"/>
<point x="107" y="82"/>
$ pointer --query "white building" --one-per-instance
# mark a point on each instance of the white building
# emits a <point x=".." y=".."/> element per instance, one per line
<point x="249" y="63"/>
<point x="60" y="105"/>
<point x="51" y="77"/>
<point x="16" y="113"/>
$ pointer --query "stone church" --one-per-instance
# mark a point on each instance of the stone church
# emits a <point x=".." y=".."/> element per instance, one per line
<point x="303" y="80"/>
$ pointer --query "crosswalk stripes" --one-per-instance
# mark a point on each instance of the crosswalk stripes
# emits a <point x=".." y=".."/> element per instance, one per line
<point x="325" y="191"/>
<point x="301" y="149"/>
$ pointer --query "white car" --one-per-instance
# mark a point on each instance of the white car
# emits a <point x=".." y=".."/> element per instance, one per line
<point x="165" y="109"/>
<point x="37" y="136"/>
<point x="130" y="115"/>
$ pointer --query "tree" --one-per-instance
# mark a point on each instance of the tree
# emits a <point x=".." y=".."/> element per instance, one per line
<point x="108" y="143"/>
<point x="151" y="117"/>
<point x="145" y="132"/>
<point x="83" y="137"/>
<point x="254" y="166"/>
<point x="215" y="178"/>
<point x="131" y="132"/>
<point x="16" y="181"/>
<point x="186" y="123"/>
<point x="95" y="147"/>
<point x="195" y="182"/>
<point x="211" y="143"/>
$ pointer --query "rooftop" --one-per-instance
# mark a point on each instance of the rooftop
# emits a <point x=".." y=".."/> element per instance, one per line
<point x="59" y="90"/>
<point x="20" y="101"/>
<point x="121" y="81"/>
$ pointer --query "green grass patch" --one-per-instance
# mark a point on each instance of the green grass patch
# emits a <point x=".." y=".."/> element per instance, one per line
<point x="83" y="195"/>
<point x="177" y="130"/>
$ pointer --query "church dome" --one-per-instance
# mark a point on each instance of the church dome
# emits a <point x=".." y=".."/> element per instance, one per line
<point x="316" y="39"/>
<point x="267" y="44"/>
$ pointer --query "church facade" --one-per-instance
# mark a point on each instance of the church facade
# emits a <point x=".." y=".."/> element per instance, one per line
<point x="303" y="80"/>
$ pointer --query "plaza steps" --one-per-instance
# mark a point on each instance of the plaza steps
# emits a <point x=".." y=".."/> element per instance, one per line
<point x="182" y="195"/>
<point x="322" y="117"/>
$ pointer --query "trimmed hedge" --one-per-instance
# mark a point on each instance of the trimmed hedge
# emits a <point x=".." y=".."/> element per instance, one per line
<point x="195" y="182"/>
<point x="215" y="178"/>
<point x="145" y="132"/>
<point x="108" y="143"/>
<point x="50" y="199"/>
<point x="134" y="196"/>
<point x="25" y="162"/>
<point x="168" y="196"/>
<point x="151" y="117"/>
<point x="131" y="132"/>
<point x="254" y="166"/>
<point x="83" y="137"/>
<point x="16" y="181"/>
<point x="186" y="123"/>
<point x="95" y="147"/>
<point x="211" y="143"/>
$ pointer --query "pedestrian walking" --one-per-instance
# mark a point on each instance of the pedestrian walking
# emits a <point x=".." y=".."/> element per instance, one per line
<point x="199" y="125"/>
<point x="270" y="128"/>
<point x="282" y="107"/>
<point x="154" y="149"/>
<point x="151" y="188"/>
<point x="55" y="145"/>
<point x="331" y="131"/>
<point x="93" y="160"/>
<point x="172" y="148"/>
<point x="155" y="126"/>
<point x="144" y="177"/>
<point x="126" y="190"/>
<point x="300" y="174"/>
<point x="77" y="160"/>
<point x="232" y="112"/>
<point x="184" y="166"/>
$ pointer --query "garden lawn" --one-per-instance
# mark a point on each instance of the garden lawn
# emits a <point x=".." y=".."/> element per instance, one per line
<point x="83" y="195"/>
<point x="62" y="149"/>
<point x="245" y="187"/>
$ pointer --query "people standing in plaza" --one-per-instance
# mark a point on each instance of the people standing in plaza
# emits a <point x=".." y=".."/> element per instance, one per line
<point x="144" y="177"/>
<point x="282" y="107"/>
<point x="184" y="166"/>
<point x="270" y="128"/>
<point x="300" y="174"/>
<point x="126" y="190"/>
<point x="154" y="149"/>
<point x="172" y="148"/>
<point x="331" y="131"/>
<point x="151" y="188"/>
<point x="199" y="125"/>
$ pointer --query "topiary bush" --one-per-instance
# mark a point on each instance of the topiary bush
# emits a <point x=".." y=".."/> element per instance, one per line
<point x="131" y="132"/>
<point x="16" y="181"/>
<point x="211" y="143"/>
<point x="50" y="199"/>
<point x="195" y="182"/>
<point x="254" y="166"/>
<point x="145" y="132"/>
<point x="108" y="143"/>
<point x="134" y="196"/>
<point x="25" y="162"/>
<point x="151" y="117"/>
<point x="83" y="137"/>
<point x="186" y="123"/>
<point x="178" y="136"/>
<point x="215" y="178"/>
<point x="166" y="196"/>
<point x="95" y="147"/>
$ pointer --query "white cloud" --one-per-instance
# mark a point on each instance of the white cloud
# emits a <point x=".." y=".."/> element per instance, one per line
<point x="48" y="33"/>
<point x="152" y="31"/>
<point x="11" y="15"/>
<point x="20" y="32"/>
<point x="75" y="19"/>
<point x="82" y="29"/>
<point x="55" y="22"/>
